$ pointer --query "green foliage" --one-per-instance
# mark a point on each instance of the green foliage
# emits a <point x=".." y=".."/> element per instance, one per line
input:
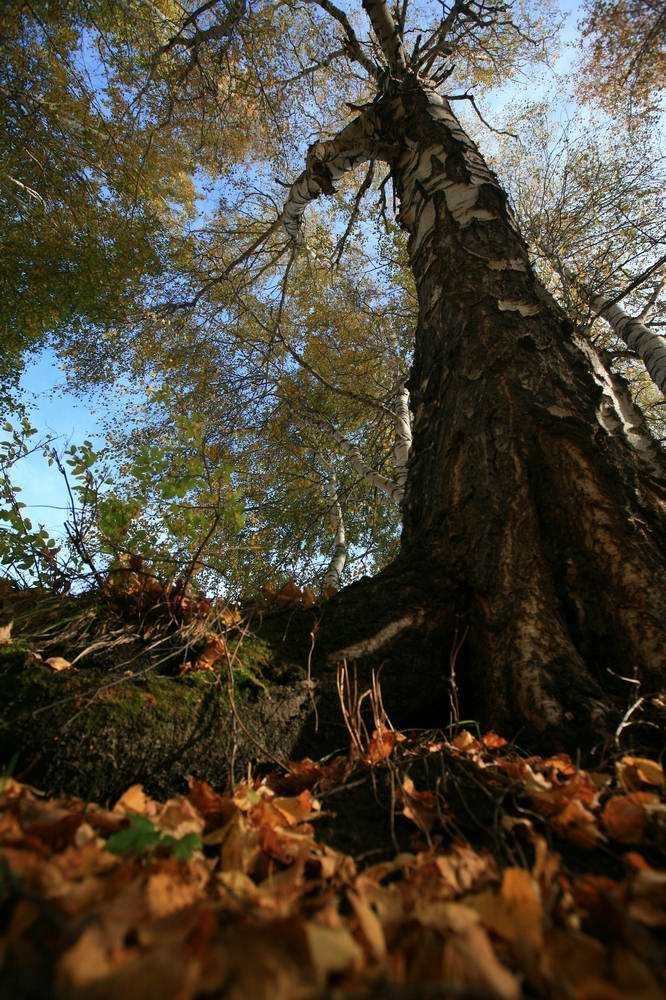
<point x="144" y="153"/>
<point x="141" y="837"/>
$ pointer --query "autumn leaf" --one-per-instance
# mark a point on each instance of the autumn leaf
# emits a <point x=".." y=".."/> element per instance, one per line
<point x="213" y="652"/>
<point x="380" y="746"/>
<point x="57" y="663"/>
<point x="420" y="807"/>
<point x="635" y="772"/>
<point x="625" y="816"/>
<point x="492" y="741"/>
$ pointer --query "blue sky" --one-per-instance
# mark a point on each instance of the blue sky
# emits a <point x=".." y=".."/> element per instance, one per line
<point x="56" y="411"/>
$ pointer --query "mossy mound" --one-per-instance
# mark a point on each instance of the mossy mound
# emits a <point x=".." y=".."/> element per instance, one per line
<point x="119" y="718"/>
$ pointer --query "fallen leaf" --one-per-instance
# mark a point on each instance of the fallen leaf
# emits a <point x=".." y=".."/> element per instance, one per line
<point x="57" y="663"/>
<point x="231" y="617"/>
<point x="577" y="824"/>
<point x="369" y="924"/>
<point x="420" y="807"/>
<point x="288" y="596"/>
<point x="647" y="897"/>
<point x="380" y="746"/>
<point x="516" y="915"/>
<point x="625" y="816"/>
<point x="634" y="772"/>
<point x="493" y="742"/>
<point x="134" y="800"/>
<point x="166" y="894"/>
<point x="332" y="949"/>
<point x="465" y="741"/>
<point x="470" y="960"/>
<point x="309" y="598"/>
<point x="216" y="809"/>
<point x="297" y="809"/>
<point x="214" y="650"/>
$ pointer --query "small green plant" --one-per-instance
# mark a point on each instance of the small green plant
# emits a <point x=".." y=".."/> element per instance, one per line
<point x="141" y="837"/>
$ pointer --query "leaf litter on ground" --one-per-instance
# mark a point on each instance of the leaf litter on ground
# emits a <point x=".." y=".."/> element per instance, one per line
<point x="233" y="894"/>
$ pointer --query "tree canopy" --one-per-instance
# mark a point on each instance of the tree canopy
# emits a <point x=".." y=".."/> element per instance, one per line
<point x="147" y="154"/>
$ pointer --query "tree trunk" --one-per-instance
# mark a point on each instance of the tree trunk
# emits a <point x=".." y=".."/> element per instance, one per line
<point x="534" y="505"/>
<point x="533" y="484"/>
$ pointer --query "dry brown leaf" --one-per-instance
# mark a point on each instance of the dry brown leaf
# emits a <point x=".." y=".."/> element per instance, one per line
<point x="515" y="915"/>
<point x="297" y="809"/>
<point x="135" y="800"/>
<point x="577" y="824"/>
<point x="466" y="742"/>
<point x="231" y="617"/>
<point x="239" y="847"/>
<point x="214" y="650"/>
<point x="6" y="634"/>
<point x="288" y="596"/>
<point x="332" y="949"/>
<point x="634" y="772"/>
<point x="57" y="663"/>
<point x="420" y="807"/>
<point x="647" y="897"/>
<point x="625" y="816"/>
<point x="380" y="746"/>
<point x="166" y="894"/>
<point x="309" y="598"/>
<point x="493" y="742"/>
<point x="178" y="817"/>
<point x="469" y="959"/>
<point x="216" y="809"/>
<point x="88" y="961"/>
<point x="369" y="924"/>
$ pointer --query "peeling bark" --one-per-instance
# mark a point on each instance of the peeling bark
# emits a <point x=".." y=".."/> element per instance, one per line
<point x="533" y="489"/>
<point x="532" y="480"/>
<point x="648" y="345"/>
<point x="403" y="438"/>
<point x="334" y="570"/>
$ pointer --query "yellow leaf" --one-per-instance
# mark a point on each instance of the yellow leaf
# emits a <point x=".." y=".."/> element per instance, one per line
<point x="57" y="663"/>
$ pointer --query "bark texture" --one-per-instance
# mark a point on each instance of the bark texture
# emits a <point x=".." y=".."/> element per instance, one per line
<point x="533" y="488"/>
<point x="532" y="480"/>
<point x="648" y="345"/>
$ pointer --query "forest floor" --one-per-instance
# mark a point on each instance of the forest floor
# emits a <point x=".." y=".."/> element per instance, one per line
<point x="444" y="863"/>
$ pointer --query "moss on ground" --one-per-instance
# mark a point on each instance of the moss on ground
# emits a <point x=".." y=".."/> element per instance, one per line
<point x="117" y="718"/>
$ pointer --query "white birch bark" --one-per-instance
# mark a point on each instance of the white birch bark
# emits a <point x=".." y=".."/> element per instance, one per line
<point x="382" y="483"/>
<point x="403" y="438"/>
<point x="326" y="163"/>
<point x="333" y="573"/>
<point x="387" y="35"/>
<point x="648" y="345"/>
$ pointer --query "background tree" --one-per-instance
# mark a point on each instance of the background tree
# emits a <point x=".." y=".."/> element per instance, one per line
<point x="625" y="61"/>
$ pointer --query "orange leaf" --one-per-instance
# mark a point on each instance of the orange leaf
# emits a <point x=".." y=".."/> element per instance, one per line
<point x="625" y="816"/>
<point x="634" y="772"/>
<point x="288" y="596"/>
<point x="214" y="651"/>
<point x="380" y="746"/>
<point x="577" y="824"/>
<point x="465" y="741"/>
<point x="420" y="807"/>
<point x="493" y="742"/>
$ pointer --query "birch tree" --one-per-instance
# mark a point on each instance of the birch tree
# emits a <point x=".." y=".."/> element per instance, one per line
<point x="532" y="512"/>
<point x="528" y="473"/>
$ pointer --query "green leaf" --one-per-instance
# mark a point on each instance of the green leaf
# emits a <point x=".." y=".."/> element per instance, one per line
<point x="184" y="848"/>
<point x="140" y="836"/>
